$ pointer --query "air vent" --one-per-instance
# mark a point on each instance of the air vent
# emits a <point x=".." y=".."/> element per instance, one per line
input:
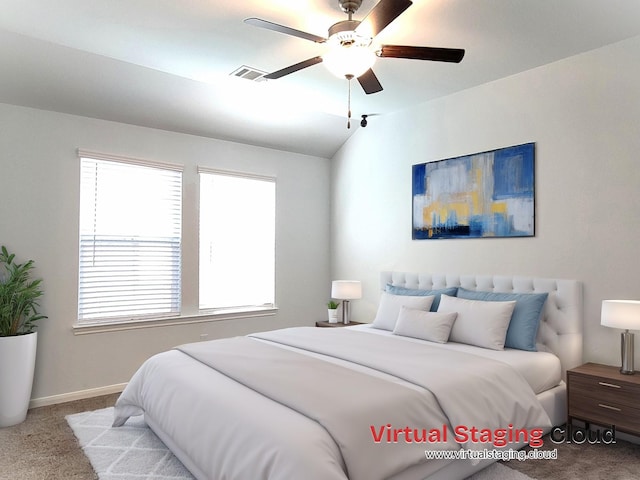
<point x="249" y="73"/>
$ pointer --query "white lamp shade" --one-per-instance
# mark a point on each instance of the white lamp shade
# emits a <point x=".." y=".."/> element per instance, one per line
<point x="346" y="289"/>
<point x="623" y="314"/>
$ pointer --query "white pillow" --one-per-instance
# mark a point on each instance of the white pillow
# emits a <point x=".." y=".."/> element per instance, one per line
<point x="389" y="308"/>
<point x="431" y="326"/>
<point x="480" y="323"/>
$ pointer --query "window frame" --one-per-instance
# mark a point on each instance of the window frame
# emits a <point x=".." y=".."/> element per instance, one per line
<point x="176" y="184"/>
<point x="189" y="314"/>
<point x="249" y="309"/>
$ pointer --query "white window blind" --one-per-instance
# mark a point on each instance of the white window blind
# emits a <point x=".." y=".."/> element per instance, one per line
<point x="130" y="240"/>
<point x="237" y="240"/>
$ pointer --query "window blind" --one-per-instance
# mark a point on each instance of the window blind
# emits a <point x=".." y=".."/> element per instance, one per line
<point x="130" y="240"/>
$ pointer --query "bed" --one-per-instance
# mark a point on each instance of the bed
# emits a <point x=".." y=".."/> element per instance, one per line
<point x="367" y="402"/>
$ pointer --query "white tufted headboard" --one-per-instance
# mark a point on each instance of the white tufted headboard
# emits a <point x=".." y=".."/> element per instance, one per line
<point x="560" y="329"/>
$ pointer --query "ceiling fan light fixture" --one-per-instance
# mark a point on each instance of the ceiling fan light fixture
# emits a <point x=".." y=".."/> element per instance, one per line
<point x="348" y="55"/>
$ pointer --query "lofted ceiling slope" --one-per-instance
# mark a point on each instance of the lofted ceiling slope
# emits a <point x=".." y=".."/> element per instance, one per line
<point x="166" y="63"/>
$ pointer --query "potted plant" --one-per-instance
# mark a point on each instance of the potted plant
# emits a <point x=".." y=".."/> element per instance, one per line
<point x="19" y="296"/>
<point x="332" y="310"/>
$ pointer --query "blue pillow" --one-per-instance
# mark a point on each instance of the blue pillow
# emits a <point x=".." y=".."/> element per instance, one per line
<point x="415" y="292"/>
<point x="525" y="320"/>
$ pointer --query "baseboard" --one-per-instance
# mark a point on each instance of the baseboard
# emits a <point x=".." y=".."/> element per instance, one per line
<point x="79" y="395"/>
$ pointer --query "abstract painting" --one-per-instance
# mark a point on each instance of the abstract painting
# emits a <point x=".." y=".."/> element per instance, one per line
<point x="489" y="194"/>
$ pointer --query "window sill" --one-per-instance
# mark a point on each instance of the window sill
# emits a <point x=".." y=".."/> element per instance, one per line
<point x="213" y="316"/>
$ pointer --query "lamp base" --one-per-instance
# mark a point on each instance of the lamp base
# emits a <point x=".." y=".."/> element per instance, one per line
<point x="626" y="351"/>
<point x="346" y="312"/>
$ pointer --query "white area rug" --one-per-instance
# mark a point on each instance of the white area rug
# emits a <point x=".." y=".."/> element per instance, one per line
<point x="133" y="452"/>
<point x="130" y="452"/>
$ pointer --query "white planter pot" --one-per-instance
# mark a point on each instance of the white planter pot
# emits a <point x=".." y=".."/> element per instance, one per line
<point x="333" y="315"/>
<point x="17" y="364"/>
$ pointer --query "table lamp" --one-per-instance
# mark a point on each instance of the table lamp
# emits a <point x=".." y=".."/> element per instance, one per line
<point x="623" y="314"/>
<point x="346" y="290"/>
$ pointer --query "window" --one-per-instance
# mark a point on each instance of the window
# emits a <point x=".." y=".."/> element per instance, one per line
<point x="237" y="240"/>
<point x="130" y="239"/>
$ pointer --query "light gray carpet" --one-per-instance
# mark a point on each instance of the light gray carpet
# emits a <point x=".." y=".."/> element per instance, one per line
<point x="619" y="461"/>
<point x="43" y="447"/>
<point x="498" y="471"/>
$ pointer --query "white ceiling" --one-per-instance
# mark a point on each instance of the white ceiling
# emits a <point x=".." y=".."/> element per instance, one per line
<point x="166" y="63"/>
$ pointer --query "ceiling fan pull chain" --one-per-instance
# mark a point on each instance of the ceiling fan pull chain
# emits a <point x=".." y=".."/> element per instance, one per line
<point x="349" y="78"/>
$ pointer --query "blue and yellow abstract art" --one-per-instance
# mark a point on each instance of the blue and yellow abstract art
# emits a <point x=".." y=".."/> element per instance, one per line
<point x="489" y="194"/>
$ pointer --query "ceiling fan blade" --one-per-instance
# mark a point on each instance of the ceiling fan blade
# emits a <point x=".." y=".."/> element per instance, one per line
<point x="258" y="22"/>
<point x="385" y="12"/>
<point x="453" y="55"/>
<point x="369" y="82"/>
<point x="293" y="68"/>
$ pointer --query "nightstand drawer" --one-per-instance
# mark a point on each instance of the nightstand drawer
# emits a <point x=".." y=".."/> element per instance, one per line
<point x="608" y="391"/>
<point x="603" y="412"/>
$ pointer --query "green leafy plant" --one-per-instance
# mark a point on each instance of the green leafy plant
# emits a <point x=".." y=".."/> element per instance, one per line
<point x="19" y="296"/>
<point x="332" y="305"/>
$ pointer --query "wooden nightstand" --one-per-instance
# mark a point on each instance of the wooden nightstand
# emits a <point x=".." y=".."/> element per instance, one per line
<point x="602" y="395"/>
<point x="339" y="324"/>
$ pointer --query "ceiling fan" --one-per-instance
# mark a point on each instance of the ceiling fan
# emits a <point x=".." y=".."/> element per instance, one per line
<point x="351" y="53"/>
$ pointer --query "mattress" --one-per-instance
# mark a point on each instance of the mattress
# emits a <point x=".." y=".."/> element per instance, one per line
<point x="541" y="370"/>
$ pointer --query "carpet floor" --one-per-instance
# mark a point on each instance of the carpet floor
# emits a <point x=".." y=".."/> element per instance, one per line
<point x="619" y="461"/>
<point x="44" y="448"/>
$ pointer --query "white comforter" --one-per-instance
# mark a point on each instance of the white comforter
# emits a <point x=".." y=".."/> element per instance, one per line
<point x="223" y="430"/>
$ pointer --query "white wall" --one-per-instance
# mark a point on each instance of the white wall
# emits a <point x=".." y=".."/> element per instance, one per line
<point x="39" y="191"/>
<point x="583" y="113"/>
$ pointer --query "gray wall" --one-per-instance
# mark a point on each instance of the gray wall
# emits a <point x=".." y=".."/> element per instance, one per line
<point x="583" y="113"/>
<point x="39" y="191"/>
